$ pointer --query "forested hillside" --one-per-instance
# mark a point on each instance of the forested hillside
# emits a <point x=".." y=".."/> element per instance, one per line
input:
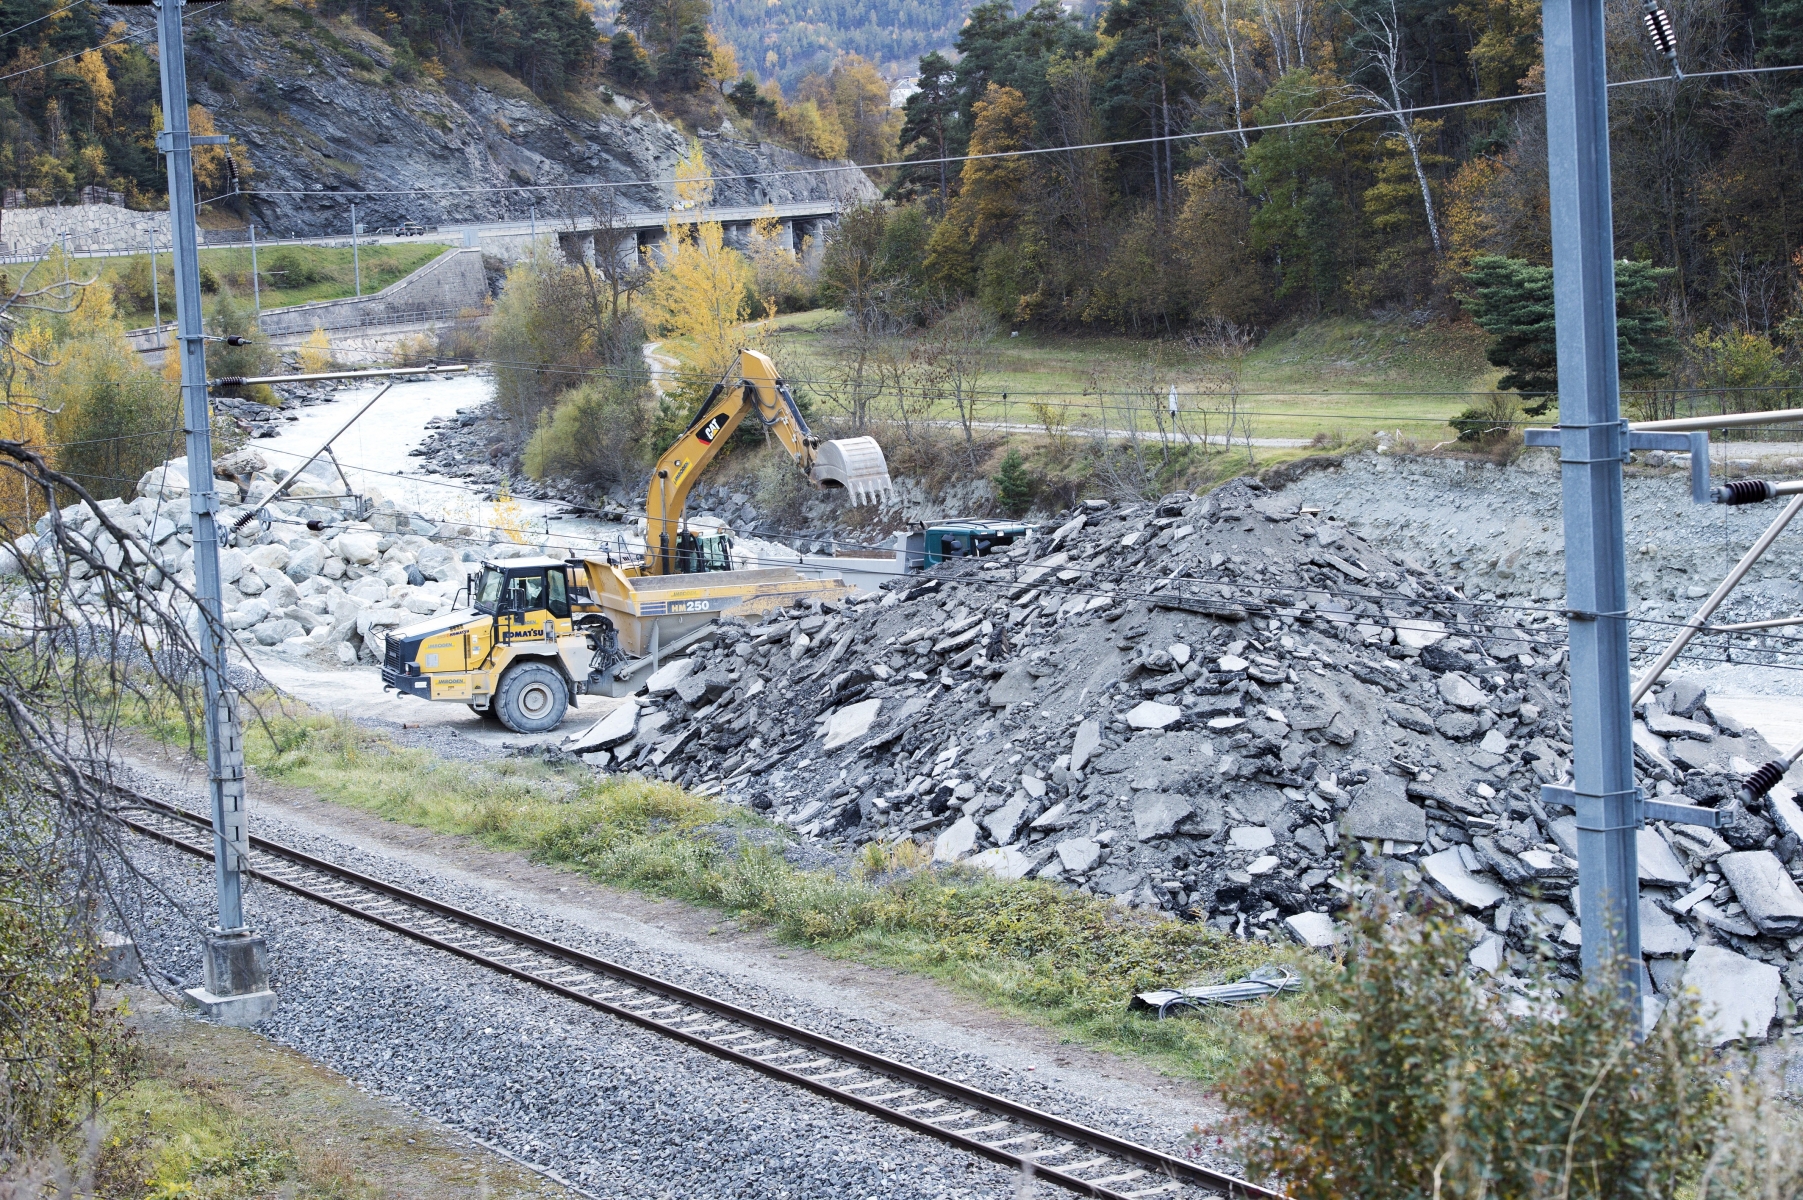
<point x="786" y="40"/>
<point x="1383" y="210"/>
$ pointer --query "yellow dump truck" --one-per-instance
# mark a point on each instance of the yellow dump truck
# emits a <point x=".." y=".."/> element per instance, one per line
<point x="540" y="632"/>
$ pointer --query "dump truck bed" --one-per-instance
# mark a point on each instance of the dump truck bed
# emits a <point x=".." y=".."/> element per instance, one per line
<point x="672" y="605"/>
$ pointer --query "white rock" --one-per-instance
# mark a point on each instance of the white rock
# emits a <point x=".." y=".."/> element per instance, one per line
<point x="1034" y="786"/>
<point x="357" y="547"/>
<point x="955" y="842"/>
<point x="1083" y="746"/>
<point x="666" y="677"/>
<point x="1457" y="690"/>
<point x="1312" y="929"/>
<point x="369" y="590"/>
<point x="1004" y="862"/>
<point x="1448" y="870"/>
<point x="1150" y="714"/>
<point x="1766" y="890"/>
<point x="1252" y="837"/>
<point x="165" y="482"/>
<point x="1737" y="996"/>
<point x="1231" y="662"/>
<point x="1263" y="865"/>
<point x="232" y="564"/>
<point x="273" y="557"/>
<point x="1079" y="854"/>
<point x="1658" y="864"/>
<point x="1417" y="634"/>
<point x="1494" y="743"/>
<point x="306" y="562"/>
<point x="850" y="723"/>
<point x="1180" y="653"/>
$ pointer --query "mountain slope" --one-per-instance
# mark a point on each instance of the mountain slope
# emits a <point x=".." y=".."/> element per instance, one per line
<point x="328" y="107"/>
<point x="790" y="38"/>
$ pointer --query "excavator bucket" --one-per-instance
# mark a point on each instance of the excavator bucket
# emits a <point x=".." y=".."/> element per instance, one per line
<point x="857" y="465"/>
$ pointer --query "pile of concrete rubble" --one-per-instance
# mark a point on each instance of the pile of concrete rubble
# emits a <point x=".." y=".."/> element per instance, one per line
<point x="1200" y="707"/>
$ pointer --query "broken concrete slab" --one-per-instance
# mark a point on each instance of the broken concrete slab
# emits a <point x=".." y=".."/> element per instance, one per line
<point x="1651" y="744"/>
<point x="1487" y="955"/>
<point x="958" y="840"/>
<point x="850" y="723"/>
<point x="1418" y="634"/>
<point x="1157" y="814"/>
<point x="1312" y="929"/>
<point x="1085" y="744"/>
<point x="616" y="727"/>
<point x="1005" y="821"/>
<point x="666" y="677"/>
<point x="1660" y="936"/>
<point x="1736" y="996"/>
<point x="1766" y="890"/>
<point x="1150" y="714"/>
<point x="1461" y="692"/>
<point x="1382" y="811"/>
<point x="1448" y="869"/>
<point x="1252" y="837"/>
<point x="1494" y="743"/>
<point x="1014" y="687"/>
<point x="1659" y="864"/>
<point x="1079" y="855"/>
<point x="1682" y="697"/>
<point x="1004" y="862"/>
<point x="1668" y="726"/>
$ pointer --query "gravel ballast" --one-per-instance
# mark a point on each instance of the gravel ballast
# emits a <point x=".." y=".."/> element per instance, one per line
<point x="612" y="1109"/>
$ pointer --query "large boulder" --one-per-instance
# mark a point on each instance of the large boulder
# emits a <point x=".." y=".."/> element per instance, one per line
<point x="440" y="563"/>
<point x="277" y="630"/>
<point x="358" y="546"/>
<point x="273" y="556"/>
<point x="369" y="589"/>
<point x="305" y="562"/>
<point x="166" y="482"/>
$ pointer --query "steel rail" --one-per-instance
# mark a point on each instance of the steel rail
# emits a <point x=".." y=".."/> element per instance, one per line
<point x="1008" y="1124"/>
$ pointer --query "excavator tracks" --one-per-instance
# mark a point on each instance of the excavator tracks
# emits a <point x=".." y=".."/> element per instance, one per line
<point x="1082" y="1160"/>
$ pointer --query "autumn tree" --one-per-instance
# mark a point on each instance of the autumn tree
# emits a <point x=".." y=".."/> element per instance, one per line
<point x="700" y="294"/>
<point x="993" y="191"/>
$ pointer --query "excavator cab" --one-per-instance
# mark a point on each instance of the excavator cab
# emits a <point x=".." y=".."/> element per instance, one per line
<point x="697" y="552"/>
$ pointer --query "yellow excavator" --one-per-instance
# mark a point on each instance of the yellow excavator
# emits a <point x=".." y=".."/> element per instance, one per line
<point x="541" y="631"/>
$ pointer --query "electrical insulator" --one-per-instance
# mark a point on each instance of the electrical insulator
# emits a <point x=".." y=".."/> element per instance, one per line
<point x="231" y="170"/>
<point x="1659" y="27"/>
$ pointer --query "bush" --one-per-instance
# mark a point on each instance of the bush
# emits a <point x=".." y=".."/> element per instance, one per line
<point x="1408" y="1078"/>
<point x="593" y="437"/>
<point x="1490" y="423"/>
<point x="289" y="267"/>
<point x="540" y="338"/>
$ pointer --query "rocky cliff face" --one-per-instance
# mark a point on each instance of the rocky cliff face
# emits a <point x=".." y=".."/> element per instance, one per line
<point x="321" y="112"/>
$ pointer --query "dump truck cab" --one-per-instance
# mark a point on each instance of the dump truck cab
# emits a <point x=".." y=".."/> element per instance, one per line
<point x="958" y="539"/>
<point x="515" y="653"/>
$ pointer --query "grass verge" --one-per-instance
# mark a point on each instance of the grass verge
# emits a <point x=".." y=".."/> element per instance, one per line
<point x="287" y="275"/>
<point x="1030" y="949"/>
<point x="213" y="1112"/>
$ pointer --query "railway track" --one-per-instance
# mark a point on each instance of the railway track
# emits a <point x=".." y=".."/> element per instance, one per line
<point x="1085" y="1161"/>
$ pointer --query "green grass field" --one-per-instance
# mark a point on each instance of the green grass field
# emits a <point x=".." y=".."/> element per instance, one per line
<point x="287" y="275"/>
<point x="1339" y="377"/>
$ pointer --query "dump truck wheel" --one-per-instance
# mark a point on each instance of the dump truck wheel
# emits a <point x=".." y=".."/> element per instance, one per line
<point x="532" y="698"/>
<point x="487" y="714"/>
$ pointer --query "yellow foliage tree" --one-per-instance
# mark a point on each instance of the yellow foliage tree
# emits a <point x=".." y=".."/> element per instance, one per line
<point x="701" y="293"/>
<point x="316" y="352"/>
<point x="209" y="161"/>
<point x="694" y="185"/>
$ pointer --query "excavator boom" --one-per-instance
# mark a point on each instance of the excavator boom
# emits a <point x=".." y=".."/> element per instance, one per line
<point x="855" y="464"/>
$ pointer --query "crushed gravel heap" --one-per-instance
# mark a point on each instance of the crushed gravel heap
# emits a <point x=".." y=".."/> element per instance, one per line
<point x="1189" y="706"/>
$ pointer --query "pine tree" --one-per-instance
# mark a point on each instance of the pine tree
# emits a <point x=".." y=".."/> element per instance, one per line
<point x="1013" y="483"/>
<point x="1512" y="301"/>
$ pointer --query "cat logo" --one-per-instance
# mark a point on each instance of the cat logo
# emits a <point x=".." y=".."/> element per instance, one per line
<point x="707" y="433"/>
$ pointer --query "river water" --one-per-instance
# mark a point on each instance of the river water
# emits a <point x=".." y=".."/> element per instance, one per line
<point x="374" y="454"/>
